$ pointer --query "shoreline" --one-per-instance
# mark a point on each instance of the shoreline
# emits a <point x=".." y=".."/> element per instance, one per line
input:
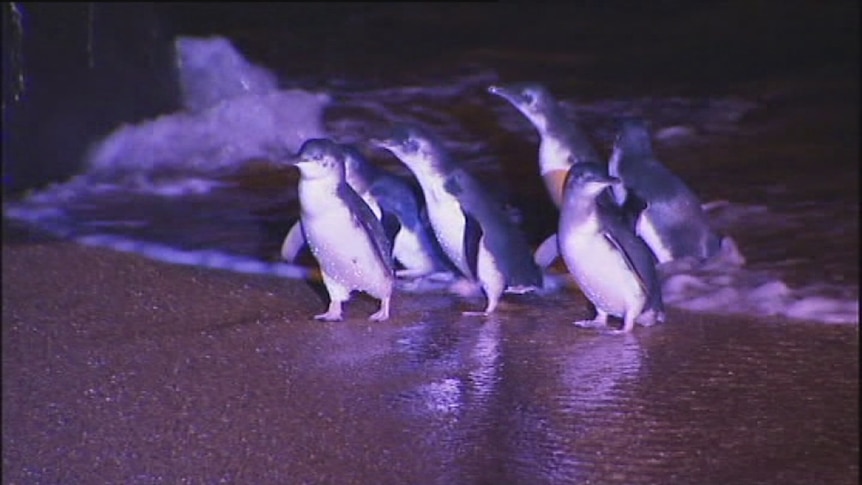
<point x="119" y="368"/>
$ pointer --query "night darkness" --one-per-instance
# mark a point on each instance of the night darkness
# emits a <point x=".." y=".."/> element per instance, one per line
<point x="88" y="67"/>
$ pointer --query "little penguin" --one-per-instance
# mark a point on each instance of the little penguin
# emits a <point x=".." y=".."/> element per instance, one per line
<point x="471" y="227"/>
<point x="670" y="217"/>
<point x="613" y="267"/>
<point x="345" y="237"/>
<point x="413" y="244"/>
<point x="400" y="210"/>
<point x="562" y="144"/>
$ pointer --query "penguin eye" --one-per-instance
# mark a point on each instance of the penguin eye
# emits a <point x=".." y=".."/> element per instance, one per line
<point x="411" y="146"/>
<point x="529" y="98"/>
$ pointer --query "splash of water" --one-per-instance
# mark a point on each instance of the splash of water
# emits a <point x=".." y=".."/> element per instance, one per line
<point x="234" y="112"/>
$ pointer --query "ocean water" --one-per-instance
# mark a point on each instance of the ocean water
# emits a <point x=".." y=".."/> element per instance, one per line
<point x="198" y="186"/>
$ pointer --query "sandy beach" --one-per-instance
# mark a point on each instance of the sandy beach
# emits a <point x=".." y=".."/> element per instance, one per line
<point x="117" y="369"/>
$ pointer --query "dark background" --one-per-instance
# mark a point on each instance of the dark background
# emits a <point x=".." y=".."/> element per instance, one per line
<point x="73" y="72"/>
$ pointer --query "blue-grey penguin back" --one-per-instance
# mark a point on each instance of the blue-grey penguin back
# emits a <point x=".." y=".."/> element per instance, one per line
<point x="672" y="221"/>
<point x="362" y="173"/>
<point x="484" y="217"/>
<point x="370" y="223"/>
<point x="402" y="204"/>
<point x="502" y="237"/>
<point x="637" y="253"/>
<point x="590" y="255"/>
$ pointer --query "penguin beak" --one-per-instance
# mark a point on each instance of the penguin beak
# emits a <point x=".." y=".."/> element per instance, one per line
<point x="381" y="143"/>
<point x="607" y="182"/>
<point x="294" y="160"/>
<point x="279" y="154"/>
<point x="498" y="91"/>
<point x="600" y="182"/>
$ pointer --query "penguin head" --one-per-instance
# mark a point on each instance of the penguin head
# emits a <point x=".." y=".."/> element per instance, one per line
<point x="531" y="99"/>
<point x="358" y="171"/>
<point x="416" y="148"/>
<point x="587" y="179"/>
<point x="320" y="158"/>
<point x="633" y="136"/>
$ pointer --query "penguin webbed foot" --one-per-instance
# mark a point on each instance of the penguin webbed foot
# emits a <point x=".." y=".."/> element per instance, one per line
<point x="333" y="314"/>
<point x="475" y="314"/>
<point x="383" y="313"/>
<point x="594" y="324"/>
<point x="492" y="305"/>
<point x="600" y="321"/>
<point x="650" y="318"/>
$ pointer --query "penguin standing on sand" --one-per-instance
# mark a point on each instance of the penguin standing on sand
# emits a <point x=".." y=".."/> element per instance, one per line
<point x="344" y="235"/>
<point x="398" y="207"/>
<point x="672" y="220"/>
<point x="470" y="226"/>
<point x="612" y="266"/>
<point x="562" y="144"/>
<point x="413" y="245"/>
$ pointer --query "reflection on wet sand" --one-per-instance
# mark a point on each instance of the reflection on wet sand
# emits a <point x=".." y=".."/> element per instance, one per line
<point x="228" y="382"/>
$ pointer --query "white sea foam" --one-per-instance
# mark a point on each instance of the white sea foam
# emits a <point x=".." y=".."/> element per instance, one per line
<point x="212" y="70"/>
<point x="208" y="258"/>
<point x="723" y="285"/>
<point x="229" y="121"/>
<point x="234" y="112"/>
<point x="217" y="138"/>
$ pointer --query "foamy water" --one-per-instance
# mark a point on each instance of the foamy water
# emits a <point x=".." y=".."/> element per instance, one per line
<point x="157" y="188"/>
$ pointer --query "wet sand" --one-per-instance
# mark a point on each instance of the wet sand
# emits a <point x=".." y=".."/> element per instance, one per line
<point x="117" y="369"/>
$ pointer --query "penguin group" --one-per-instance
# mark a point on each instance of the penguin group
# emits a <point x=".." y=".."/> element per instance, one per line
<point x="618" y="220"/>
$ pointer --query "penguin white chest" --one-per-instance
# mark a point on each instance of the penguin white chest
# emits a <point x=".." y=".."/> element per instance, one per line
<point x="344" y="251"/>
<point x="408" y="250"/>
<point x="449" y="224"/>
<point x="645" y="228"/>
<point x="600" y="270"/>
<point x="553" y="155"/>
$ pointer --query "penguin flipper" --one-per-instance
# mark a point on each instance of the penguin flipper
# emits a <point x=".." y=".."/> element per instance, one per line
<point x="364" y="216"/>
<point x="547" y="252"/>
<point x="628" y="259"/>
<point x="632" y="208"/>
<point x="636" y="254"/>
<point x="293" y="242"/>
<point x="472" y="238"/>
<point x="396" y="197"/>
<point x="391" y="225"/>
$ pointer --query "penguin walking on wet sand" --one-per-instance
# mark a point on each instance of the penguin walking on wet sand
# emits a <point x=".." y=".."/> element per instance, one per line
<point x="671" y="219"/>
<point x="414" y="246"/>
<point x="562" y="144"/>
<point x="613" y="267"/>
<point x="472" y="228"/>
<point x="394" y="202"/>
<point x="343" y="233"/>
